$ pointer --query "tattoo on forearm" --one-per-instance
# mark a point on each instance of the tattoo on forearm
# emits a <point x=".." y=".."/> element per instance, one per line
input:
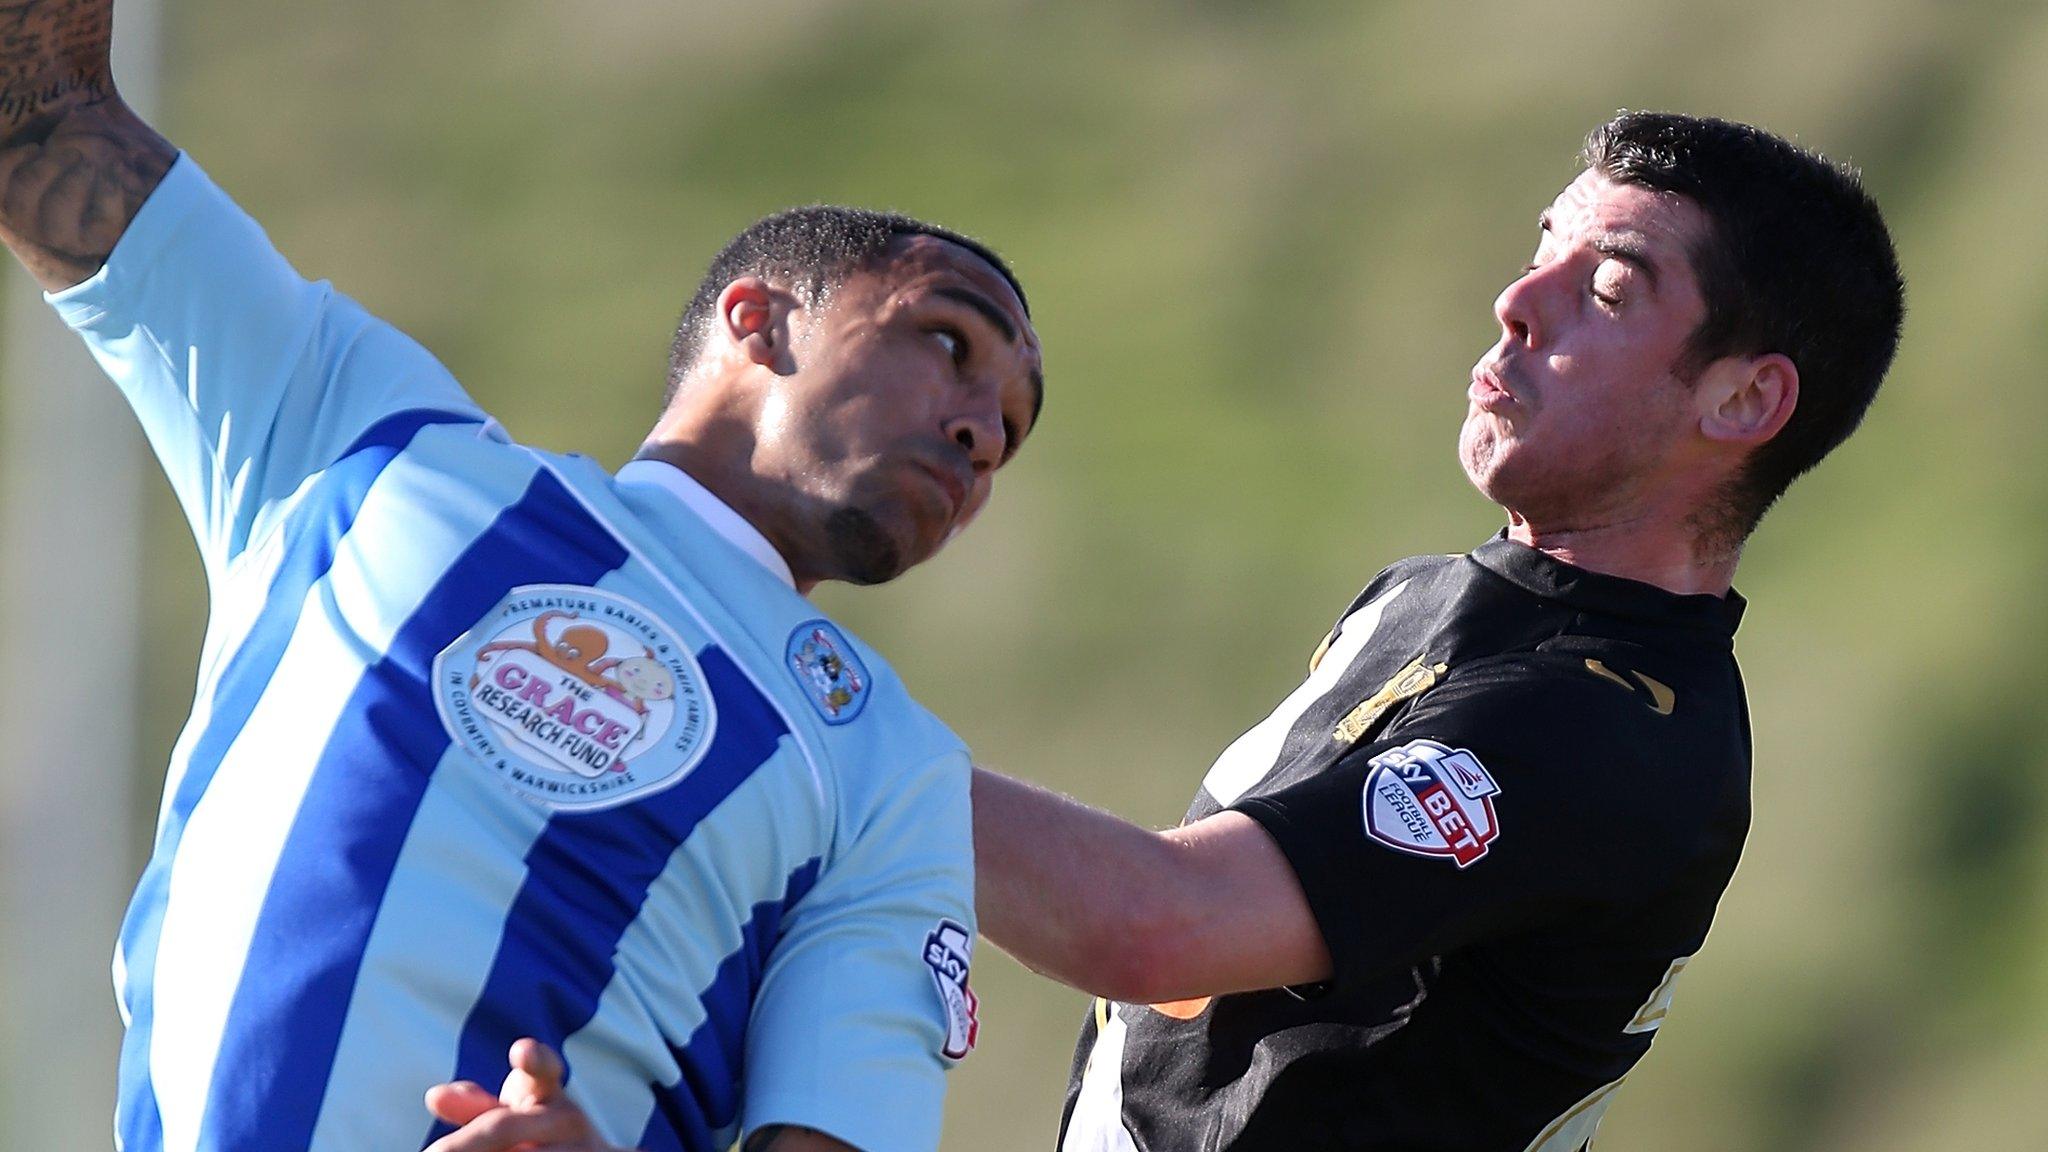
<point x="23" y="102"/>
<point x="75" y="163"/>
<point x="52" y="54"/>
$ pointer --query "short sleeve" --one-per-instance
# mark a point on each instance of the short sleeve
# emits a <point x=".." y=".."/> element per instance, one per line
<point x="246" y="377"/>
<point x="866" y="1002"/>
<point x="1513" y="792"/>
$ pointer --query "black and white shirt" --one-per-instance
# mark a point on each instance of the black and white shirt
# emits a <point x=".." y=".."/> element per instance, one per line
<point x="1513" y="791"/>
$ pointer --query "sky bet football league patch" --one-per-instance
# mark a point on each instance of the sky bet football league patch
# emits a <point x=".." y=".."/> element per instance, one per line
<point x="948" y="950"/>
<point x="1431" y="800"/>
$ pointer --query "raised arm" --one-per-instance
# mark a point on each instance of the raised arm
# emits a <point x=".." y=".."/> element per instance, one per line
<point x="75" y="162"/>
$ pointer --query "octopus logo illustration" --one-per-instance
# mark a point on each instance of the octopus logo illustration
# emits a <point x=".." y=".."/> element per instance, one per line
<point x="576" y="698"/>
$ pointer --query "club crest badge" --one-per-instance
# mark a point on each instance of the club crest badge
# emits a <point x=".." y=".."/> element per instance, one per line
<point x="828" y="670"/>
<point x="575" y="698"/>
<point x="1428" y="799"/>
<point x="949" y="952"/>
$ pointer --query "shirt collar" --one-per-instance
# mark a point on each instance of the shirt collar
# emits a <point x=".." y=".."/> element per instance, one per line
<point x="1547" y="576"/>
<point x="710" y="509"/>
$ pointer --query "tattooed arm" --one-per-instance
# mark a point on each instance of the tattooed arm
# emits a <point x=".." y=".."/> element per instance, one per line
<point x="75" y="162"/>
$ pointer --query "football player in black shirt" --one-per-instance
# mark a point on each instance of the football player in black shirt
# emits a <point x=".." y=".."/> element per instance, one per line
<point x="1440" y="897"/>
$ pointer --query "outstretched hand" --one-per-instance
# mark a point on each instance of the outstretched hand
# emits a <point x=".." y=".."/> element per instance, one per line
<point x="530" y="1113"/>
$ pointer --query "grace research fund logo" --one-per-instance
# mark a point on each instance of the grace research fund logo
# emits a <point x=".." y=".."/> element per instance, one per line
<point x="1431" y="800"/>
<point x="575" y="698"/>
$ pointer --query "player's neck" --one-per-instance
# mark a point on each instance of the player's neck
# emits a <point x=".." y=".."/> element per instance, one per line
<point x="736" y="487"/>
<point x="1661" y="553"/>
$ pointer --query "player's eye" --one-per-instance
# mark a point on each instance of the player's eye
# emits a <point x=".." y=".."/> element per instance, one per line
<point x="953" y="342"/>
<point x="1609" y="282"/>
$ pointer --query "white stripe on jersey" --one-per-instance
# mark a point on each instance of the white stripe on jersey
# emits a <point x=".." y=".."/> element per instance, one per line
<point x="229" y="852"/>
<point x="223" y="870"/>
<point x="650" y="978"/>
<point x="1097" y="1124"/>
<point x="1253" y="755"/>
<point x="438" y="928"/>
<point x="234" y="603"/>
<point x="617" y="1100"/>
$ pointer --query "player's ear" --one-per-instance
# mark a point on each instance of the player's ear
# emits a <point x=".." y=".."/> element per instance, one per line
<point x="754" y="318"/>
<point x="1746" y="400"/>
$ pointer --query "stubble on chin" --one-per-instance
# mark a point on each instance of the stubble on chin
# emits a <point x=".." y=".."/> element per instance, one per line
<point x="1479" y="451"/>
<point x="1504" y="475"/>
<point x="862" y="550"/>
<point x="1555" y="487"/>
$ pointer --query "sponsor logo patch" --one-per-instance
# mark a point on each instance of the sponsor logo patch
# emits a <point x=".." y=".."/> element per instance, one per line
<point x="1429" y="799"/>
<point x="829" y="671"/>
<point x="948" y="952"/>
<point x="575" y="698"/>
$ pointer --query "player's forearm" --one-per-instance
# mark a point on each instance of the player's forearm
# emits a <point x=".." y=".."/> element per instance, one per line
<point x="75" y="162"/>
<point x="1073" y="892"/>
<point x="1137" y="916"/>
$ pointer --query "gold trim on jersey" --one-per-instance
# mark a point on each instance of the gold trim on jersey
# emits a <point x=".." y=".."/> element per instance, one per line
<point x="1408" y="683"/>
<point x="1651" y="1014"/>
<point x="1322" y="650"/>
<point x="1573" y="1131"/>
<point x="1662" y="698"/>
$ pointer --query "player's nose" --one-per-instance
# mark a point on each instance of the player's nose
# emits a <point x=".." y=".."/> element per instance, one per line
<point x="981" y="435"/>
<point x="1517" y="308"/>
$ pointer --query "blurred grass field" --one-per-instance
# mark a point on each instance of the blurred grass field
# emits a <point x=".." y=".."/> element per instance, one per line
<point x="1260" y="246"/>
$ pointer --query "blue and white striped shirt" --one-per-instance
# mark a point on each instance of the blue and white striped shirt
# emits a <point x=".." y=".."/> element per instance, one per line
<point x="488" y="743"/>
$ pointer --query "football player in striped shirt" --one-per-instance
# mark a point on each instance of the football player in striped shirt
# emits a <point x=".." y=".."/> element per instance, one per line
<point x="488" y="742"/>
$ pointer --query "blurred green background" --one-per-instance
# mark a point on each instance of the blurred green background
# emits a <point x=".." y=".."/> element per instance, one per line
<point x="1261" y="243"/>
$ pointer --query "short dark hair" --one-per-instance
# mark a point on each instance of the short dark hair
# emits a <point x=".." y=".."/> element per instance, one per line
<point x="1798" y="261"/>
<point x="808" y="251"/>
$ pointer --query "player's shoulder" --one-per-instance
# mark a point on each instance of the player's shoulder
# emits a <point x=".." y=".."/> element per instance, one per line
<point x="474" y="466"/>
<point x="1535" y="679"/>
<point x="1611" y="709"/>
<point x="883" y="750"/>
<point x="1592" y="753"/>
<point x="1399" y="573"/>
<point x="873" y="727"/>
